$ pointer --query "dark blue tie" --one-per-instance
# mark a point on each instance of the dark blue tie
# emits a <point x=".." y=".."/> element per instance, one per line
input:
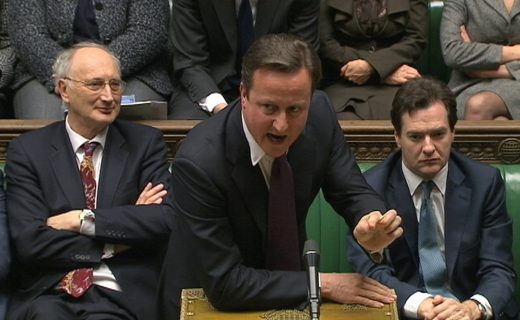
<point x="282" y="250"/>
<point x="246" y="31"/>
<point x="433" y="265"/>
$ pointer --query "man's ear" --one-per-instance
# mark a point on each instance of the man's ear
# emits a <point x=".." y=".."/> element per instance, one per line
<point x="243" y="94"/>
<point x="62" y="90"/>
<point x="397" y="138"/>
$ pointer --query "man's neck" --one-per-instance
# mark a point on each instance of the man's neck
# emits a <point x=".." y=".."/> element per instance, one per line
<point x="86" y="131"/>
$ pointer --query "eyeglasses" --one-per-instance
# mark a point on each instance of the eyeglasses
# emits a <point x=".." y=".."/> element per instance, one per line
<point x="96" y="85"/>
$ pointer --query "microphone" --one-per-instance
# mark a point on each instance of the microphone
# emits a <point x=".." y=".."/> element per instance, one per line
<point x="311" y="256"/>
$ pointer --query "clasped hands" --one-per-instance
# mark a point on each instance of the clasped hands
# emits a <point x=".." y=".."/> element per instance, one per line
<point x="359" y="71"/>
<point x="441" y="308"/>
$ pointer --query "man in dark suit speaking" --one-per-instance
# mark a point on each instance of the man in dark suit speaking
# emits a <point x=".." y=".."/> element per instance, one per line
<point x="231" y="238"/>
<point x="89" y="200"/>
<point x="454" y="260"/>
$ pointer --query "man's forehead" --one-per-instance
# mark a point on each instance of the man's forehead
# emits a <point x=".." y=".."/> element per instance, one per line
<point x="88" y="60"/>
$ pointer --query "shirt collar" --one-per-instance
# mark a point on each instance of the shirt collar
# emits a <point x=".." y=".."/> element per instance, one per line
<point x="257" y="153"/>
<point x="413" y="181"/>
<point x="78" y="140"/>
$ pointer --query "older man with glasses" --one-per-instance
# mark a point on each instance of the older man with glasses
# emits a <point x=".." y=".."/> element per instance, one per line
<point x="90" y="201"/>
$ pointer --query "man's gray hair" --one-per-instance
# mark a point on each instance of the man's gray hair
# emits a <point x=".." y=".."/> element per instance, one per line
<point x="63" y="62"/>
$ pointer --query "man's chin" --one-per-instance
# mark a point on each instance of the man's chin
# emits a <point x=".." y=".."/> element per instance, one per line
<point x="277" y="151"/>
<point x="428" y="172"/>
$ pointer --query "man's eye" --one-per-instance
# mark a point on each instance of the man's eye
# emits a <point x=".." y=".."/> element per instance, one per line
<point x="269" y="108"/>
<point x="294" y="110"/>
<point x="95" y="84"/>
<point x="414" y="137"/>
<point x="438" y="135"/>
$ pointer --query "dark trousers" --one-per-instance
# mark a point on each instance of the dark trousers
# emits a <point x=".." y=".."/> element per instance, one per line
<point x="97" y="304"/>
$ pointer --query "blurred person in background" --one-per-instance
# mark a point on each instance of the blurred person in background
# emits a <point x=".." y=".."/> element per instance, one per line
<point x="136" y="31"/>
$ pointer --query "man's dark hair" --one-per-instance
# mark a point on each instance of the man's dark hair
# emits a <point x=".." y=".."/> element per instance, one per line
<point x="280" y="52"/>
<point x="420" y="94"/>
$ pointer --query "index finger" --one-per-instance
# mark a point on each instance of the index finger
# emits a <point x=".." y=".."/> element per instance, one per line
<point x="388" y="217"/>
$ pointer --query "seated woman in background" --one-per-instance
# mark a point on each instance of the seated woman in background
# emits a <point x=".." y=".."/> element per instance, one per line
<point x="7" y="60"/>
<point x="368" y="48"/>
<point x="480" y="42"/>
<point x="136" y="31"/>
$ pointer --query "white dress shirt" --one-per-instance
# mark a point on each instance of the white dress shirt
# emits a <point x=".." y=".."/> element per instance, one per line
<point x="102" y="275"/>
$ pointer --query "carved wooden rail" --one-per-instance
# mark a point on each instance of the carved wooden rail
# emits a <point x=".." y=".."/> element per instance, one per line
<point x="372" y="141"/>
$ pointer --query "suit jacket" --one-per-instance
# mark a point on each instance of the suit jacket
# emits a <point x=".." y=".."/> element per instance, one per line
<point x="401" y="41"/>
<point x="43" y="179"/>
<point x="221" y="205"/>
<point x="205" y="37"/>
<point x="5" y="251"/>
<point x="490" y="26"/>
<point x="478" y="234"/>
<point x="136" y="31"/>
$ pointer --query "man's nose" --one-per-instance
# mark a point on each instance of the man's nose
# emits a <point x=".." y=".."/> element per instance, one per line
<point x="280" y="122"/>
<point x="428" y="146"/>
<point x="106" y="93"/>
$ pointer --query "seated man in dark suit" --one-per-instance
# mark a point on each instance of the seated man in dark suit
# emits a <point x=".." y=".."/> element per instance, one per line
<point x="244" y="181"/>
<point x="209" y="39"/>
<point x="89" y="200"/>
<point x="455" y="259"/>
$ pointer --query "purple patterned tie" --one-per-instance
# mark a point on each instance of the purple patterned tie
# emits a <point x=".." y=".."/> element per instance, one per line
<point x="78" y="281"/>
<point x="282" y="251"/>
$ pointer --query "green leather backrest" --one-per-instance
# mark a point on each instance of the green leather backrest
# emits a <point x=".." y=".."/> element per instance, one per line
<point x="431" y="62"/>
<point x="330" y="230"/>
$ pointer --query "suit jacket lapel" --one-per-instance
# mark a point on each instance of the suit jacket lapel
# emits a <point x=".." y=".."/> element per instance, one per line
<point x="302" y="148"/>
<point x="265" y="10"/>
<point x="226" y="13"/>
<point x="515" y="10"/>
<point x="456" y="211"/>
<point x="249" y="180"/>
<point x="498" y="7"/>
<point x="115" y="155"/>
<point x="62" y="159"/>
<point x="399" y="198"/>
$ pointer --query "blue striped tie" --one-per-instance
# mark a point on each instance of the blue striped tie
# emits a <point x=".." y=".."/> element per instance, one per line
<point x="433" y="265"/>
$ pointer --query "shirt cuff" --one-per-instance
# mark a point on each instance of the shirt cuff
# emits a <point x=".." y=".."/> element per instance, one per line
<point x="377" y="256"/>
<point x="108" y="251"/>
<point x="88" y="225"/>
<point x="485" y="303"/>
<point x="210" y="102"/>
<point x="411" y="307"/>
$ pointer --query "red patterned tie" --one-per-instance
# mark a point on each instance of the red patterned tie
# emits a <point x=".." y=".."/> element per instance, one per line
<point x="282" y="252"/>
<point x="78" y="281"/>
<point x="86" y="169"/>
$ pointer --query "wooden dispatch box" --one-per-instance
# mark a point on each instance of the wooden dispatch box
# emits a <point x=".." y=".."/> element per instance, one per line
<point x="195" y="306"/>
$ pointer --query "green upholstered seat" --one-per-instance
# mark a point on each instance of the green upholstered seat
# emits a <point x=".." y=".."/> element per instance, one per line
<point x="431" y="62"/>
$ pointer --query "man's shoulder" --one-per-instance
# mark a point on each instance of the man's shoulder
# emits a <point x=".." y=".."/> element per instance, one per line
<point x="42" y="134"/>
<point x="470" y="167"/>
<point x="208" y="142"/>
<point x="382" y="170"/>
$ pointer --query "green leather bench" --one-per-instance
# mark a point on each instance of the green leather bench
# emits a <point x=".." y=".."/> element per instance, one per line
<point x="431" y="62"/>
<point x="329" y="229"/>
